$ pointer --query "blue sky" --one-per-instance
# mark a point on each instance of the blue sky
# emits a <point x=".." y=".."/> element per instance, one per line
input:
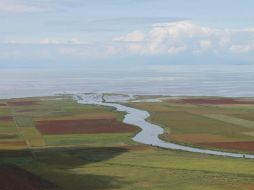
<point x="46" y="32"/>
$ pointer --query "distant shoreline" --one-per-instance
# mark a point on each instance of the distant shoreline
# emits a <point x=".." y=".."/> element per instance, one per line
<point x="138" y="95"/>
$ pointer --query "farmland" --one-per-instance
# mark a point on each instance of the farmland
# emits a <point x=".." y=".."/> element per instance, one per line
<point x="93" y="149"/>
<point x="212" y="122"/>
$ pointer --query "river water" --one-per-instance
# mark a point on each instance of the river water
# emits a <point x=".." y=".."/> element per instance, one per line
<point x="150" y="132"/>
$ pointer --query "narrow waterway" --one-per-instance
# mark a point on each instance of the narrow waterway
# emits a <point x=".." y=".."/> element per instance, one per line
<point x="150" y="132"/>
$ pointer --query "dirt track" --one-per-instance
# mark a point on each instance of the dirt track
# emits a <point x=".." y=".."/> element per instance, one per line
<point x="87" y="126"/>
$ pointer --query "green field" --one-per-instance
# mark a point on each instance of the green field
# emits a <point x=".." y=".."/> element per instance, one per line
<point x="198" y="124"/>
<point x="113" y="160"/>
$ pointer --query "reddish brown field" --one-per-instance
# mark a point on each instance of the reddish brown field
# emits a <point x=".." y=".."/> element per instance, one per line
<point x="12" y="143"/>
<point x="242" y="146"/>
<point x="23" y="103"/>
<point x="13" y="178"/>
<point x="215" y="101"/>
<point x="87" y="126"/>
<point x="28" y="110"/>
<point x="6" y="118"/>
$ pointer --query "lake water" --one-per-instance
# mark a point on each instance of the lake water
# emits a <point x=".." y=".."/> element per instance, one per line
<point x="225" y="80"/>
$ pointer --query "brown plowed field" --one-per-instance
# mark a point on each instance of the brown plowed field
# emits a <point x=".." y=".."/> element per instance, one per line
<point x="243" y="146"/>
<point x="87" y="126"/>
<point x="215" y="101"/>
<point x="2" y="104"/>
<point x="6" y="118"/>
<point x="23" y="103"/>
<point x="13" y="178"/>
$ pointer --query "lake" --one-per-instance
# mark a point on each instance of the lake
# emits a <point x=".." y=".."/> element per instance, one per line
<point x="218" y="80"/>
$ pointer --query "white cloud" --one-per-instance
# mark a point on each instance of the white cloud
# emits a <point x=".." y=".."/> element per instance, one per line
<point x="75" y="41"/>
<point x="49" y="41"/>
<point x="241" y="48"/>
<point x="46" y="41"/>
<point x="185" y="36"/>
<point x="161" y="39"/>
<point x="205" y="44"/>
<point x="176" y="50"/>
<point x="131" y="37"/>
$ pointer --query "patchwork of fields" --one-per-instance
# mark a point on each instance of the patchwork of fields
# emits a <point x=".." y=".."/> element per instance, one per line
<point x="218" y="123"/>
<point x="51" y="143"/>
<point x="44" y="123"/>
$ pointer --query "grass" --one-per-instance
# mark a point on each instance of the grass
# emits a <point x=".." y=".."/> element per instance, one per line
<point x="96" y="140"/>
<point x="197" y="123"/>
<point x="231" y="120"/>
<point x="5" y="112"/>
<point x="33" y="137"/>
<point x="110" y="161"/>
<point x="247" y="116"/>
<point x="6" y="124"/>
<point x="23" y="121"/>
<point x="117" y="168"/>
<point x="186" y="123"/>
<point x="8" y="131"/>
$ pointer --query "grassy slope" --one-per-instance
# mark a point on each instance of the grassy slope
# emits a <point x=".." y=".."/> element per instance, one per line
<point x="97" y="166"/>
<point x="104" y="168"/>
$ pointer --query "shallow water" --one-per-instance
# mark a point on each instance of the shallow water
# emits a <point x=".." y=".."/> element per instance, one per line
<point x="150" y="132"/>
<point x="150" y="80"/>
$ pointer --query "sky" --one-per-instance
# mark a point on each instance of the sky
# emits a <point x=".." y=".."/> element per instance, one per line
<point x="35" y="33"/>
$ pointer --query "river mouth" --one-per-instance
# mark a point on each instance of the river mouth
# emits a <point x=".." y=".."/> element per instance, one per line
<point x="149" y="133"/>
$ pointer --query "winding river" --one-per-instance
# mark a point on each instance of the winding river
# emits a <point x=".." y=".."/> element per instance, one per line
<point x="150" y="132"/>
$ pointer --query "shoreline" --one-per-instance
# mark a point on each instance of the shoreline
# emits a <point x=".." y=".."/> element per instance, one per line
<point x="122" y="94"/>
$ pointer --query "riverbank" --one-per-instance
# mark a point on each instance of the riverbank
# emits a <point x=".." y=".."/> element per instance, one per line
<point x="150" y="133"/>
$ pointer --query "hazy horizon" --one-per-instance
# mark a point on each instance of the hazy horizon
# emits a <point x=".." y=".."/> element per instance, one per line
<point x="152" y="80"/>
<point x="170" y="47"/>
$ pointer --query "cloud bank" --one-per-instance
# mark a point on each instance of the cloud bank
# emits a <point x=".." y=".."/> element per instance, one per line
<point x="185" y="36"/>
<point x="172" y="39"/>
